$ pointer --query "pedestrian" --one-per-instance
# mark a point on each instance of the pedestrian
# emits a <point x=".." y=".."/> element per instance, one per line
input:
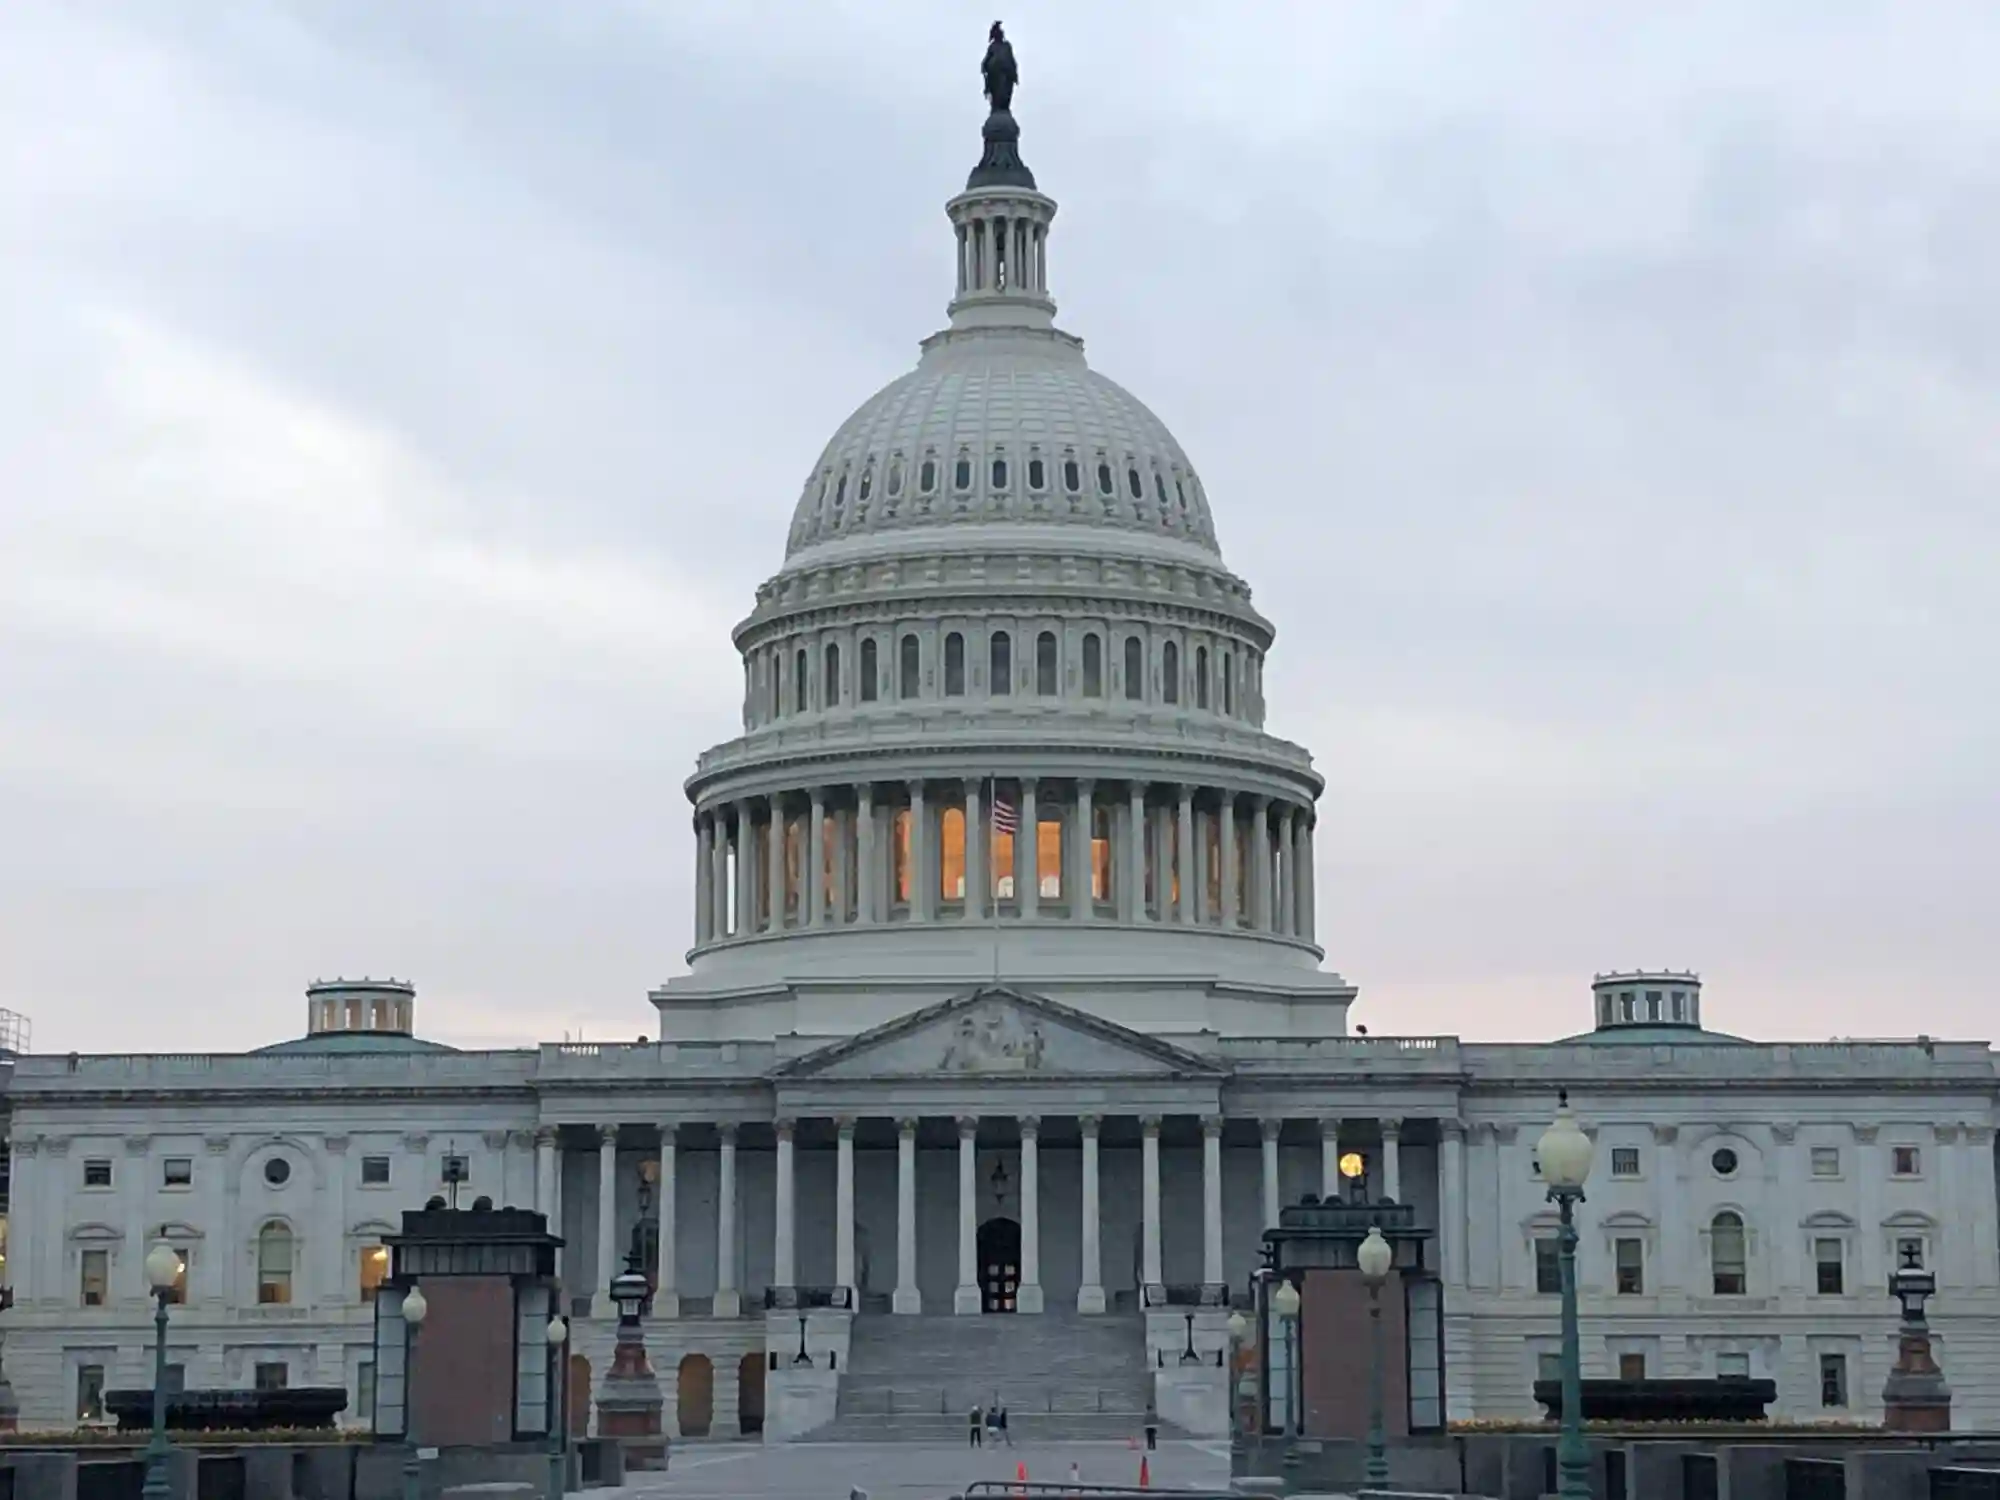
<point x="1000" y="1421"/>
<point x="975" y="1436"/>
<point x="1152" y="1432"/>
<point x="993" y="1420"/>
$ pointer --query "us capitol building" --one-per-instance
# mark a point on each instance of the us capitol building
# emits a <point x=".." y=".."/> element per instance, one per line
<point x="1006" y="1006"/>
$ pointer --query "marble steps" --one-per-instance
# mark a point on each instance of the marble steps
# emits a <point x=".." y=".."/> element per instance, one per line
<point x="1078" y="1427"/>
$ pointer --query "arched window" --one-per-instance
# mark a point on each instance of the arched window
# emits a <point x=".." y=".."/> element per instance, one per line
<point x="951" y="854"/>
<point x="1135" y="668"/>
<point x="1105" y="483"/>
<point x="1045" y="664"/>
<point x="274" y="1266"/>
<point x="1038" y="476"/>
<point x="1170" y="672"/>
<point x="927" y="476"/>
<point x="1000" y="664"/>
<point x="1727" y="1253"/>
<point x="999" y="473"/>
<point x="1134" y="483"/>
<point x="832" y="685"/>
<point x="954" y="665"/>
<point x="868" y="682"/>
<point x="910" y="678"/>
<point x="774" y="667"/>
<point x="868" y="481"/>
<point x="1229" y="683"/>
<point x="1201" y="677"/>
<point x="1072" y="475"/>
<point x="895" y="477"/>
<point x="961" y="473"/>
<point x="374" y="1269"/>
<point x="801" y="680"/>
<point x="1093" y="667"/>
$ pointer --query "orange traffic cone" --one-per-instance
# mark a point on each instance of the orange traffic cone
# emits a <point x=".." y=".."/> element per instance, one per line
<point x="1145" y="1474"/>
<point x="1021" y="1474"/>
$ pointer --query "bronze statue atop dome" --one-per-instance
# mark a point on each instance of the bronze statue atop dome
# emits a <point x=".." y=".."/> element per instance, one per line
<point x="999" y="71"/>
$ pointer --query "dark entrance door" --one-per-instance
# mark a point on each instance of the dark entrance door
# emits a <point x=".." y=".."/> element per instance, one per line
<point x="999" y="1265"/>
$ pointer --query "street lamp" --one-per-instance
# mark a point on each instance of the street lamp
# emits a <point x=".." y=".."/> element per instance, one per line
<point x="558" y="1335"/>
<point x="163" y="1270"/>
<point x="1285" y="1304"/>
<point x="1374" y="1257"/>
<point x="414" y="1308"/>
<point x="1239" y="1330"/>
<point x="1565" y="1154"/>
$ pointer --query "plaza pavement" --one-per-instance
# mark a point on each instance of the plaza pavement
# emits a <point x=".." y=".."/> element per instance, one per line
<point x="909" y="1471"/>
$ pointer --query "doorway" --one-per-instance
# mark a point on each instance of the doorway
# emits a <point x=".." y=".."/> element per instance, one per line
<point x="579" y="1396"/>
<point x="750" y="1395"/>
<point x="694" y="1396"/>
<point x="999" y="1247"/>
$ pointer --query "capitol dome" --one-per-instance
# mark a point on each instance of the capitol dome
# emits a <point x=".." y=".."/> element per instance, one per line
<point x="1003" y="707"/>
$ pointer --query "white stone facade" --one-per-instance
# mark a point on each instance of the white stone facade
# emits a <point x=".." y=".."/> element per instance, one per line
<point x="1005" y="916"/>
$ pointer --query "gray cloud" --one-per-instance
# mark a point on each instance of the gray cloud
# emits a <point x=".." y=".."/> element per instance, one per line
<point x="398" y="404"/>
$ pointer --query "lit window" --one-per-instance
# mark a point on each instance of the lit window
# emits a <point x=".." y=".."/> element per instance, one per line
<point x="954" y="665"/>
<point x="1048" y="860"/>
<point x="95" y="1280"/>
<point x="951" y="854"/>
<point x="1727" y="1254"/>
<point x="1548" y="1266"/>
<point x="274" y="1265"/>
<point x="97" y="1172"/>
<point x="374" y="1270"/>
<point x="1905" y="1161"/>
<point x="1830" y="1267"/>
<point x="1833" y="1381"/>
<point x="177" y="1171"/>
<point x="374" y="1171"/>
<point x="1000" y="664"/>
<point x="1826" y="1161"/>
<point x="899" y="843"/>
<point x="1629" y="1259"/>
<point x="1624" y="1161"/>
<point x="1100" y="854"/>
<point x="177" y="1291"/>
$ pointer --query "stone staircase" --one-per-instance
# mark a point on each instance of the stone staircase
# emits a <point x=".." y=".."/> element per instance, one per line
<point x="1062" y="1377"/>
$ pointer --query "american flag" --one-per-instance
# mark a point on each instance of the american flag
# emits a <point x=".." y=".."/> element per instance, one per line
<point x="1005" y="820"/>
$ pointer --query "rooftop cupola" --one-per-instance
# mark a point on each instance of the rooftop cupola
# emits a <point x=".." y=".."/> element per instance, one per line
<point x="1647" y="997"/>
<point x="381" y="1006"/>
<point x="1001" y="219"/>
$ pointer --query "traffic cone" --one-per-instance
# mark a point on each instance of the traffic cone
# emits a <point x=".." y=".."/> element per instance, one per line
<point x="1145" y="1474"/>
<point x="1021" y="1474"/>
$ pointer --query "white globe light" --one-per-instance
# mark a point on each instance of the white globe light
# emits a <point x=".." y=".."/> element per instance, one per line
<point x="558" y="1333"/>
<point x="163" y="1266"/>
<point x="1239" y="1327"/>
<point x="1564" y="1151"/>
<point x="414" y="1306"/>
<point x="1285" y="1301"/>
<point x="1375" y="1255"/>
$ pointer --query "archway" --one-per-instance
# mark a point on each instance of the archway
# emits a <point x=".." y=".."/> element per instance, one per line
<point x="999" y="1264"/>
<point x="694" y="1401"/>
<point x="750" y="1395"/>
<point x="579" y="1396"/>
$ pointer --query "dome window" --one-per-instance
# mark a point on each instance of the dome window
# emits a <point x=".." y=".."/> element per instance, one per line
<point x="1201" y="677"/>
<point x="1072" y="475"/>
<point x="910" y="668"/>
<point x="801" y="682"/>
<point x="1180" y="490"/>
<point x="927" y="476"/>
<point x="1093" y="667"/>
<point x="866" y="686"/>
<point x="1000" y="664"/>
<point x="999" y="473"/>
<point x="867" y="482"/>
<point x="954" y="665"/>
<point x="1170" y="672"/>
<point x="1135" y="669"/>
<point x="1038" y="476"/>
<point x="832" y="685"/>
<point x="1106" y="485"/>
<point x="1134" y="483"/>
<point x="840" y="491"/>
<point x="1045" y="664"/>
<point x="1229" y="684"/>
<point x="961" y="473"/>
<point x="1159" y="488"/>
<point x="896" y="478"/>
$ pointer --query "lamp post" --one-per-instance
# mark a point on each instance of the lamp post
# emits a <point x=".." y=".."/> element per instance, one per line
<point x="1374" y="1257"/>
<point x="414" y="1308"/>
<point x="1285" y="1304"/>
<point x="558" y="1335"/>
<point x="163" y="1269"/>
<point x="1239" y="1330"/>
<point x="1565" y="1154"/>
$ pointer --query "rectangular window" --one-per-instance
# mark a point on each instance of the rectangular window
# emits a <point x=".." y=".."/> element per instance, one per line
<point x="1548" y="1267"/>
<point x="1628" y="1256"/>
<point x="1909" y="1252"/>
<point x="1624" y="1161"/>
<point x="364" y="1390"/>
<point x="1732" y="1367"/>
<point x="374" y="1171"/>
<point x="1048" y="860"/>
<point x="272" y="1377"/>
<point x="1548" y="1366"/>
<point x="1631" y="1367"/>
<point x="1833" y="1381"/>
<point x="1826" y="1161"/>
<point x="97" y="1172"/>
<point x="1905" y="1161"/>
<point x="96" y="1277"/>
<point x="177" y="1171"/>
<point x="1831" y="1262"/>
<point x="374" y="1270"/>
<point x="90" y="1393"/>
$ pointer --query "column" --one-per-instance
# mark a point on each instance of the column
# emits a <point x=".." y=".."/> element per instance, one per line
<point x="843" y="1208"/>
<point x="1090" y="1286"/>
<point x="920" y="855"/>
<point x="1149" y="1202"/>
<point x="601" y="1305"/>
<point x="1281" y="918"/>
<point x="1134" y="904"/>
<point x="784" y="1247"/>
<point x="1163" y="873"/>
<point x="774" y="869"/>
<point x="1204" y="909"/>
<point x="1028" y="853"/>
<point x="976" y="862"/>
<point x="867" y="879"/>
<point x="1392" y="1160"/>
<point x="1184" y="860"/>
<point x="1211" y="1201"/>
<point x="728" y="1300"/>
<point x="1028" y="1296"/>
<point x="815" y="871"/>
<point x="1081" y="827"/>
<point x="1302" y="879"/>
<point x="1329" y="1159"/>
<point x="746" y="871"/>
<point x="718" y="872"/>
<point x="704" y="878"/>
<point x="843" y="853"/>
<point x="1260" y="864"/>
<point x="907" y="1298"/>
<point x="1271" y="1129"/>
<point x="545" y="1176"/>
<point x="1451" y="1201"/>
<point x="1226" y="821"/>
<point x="965" y="1299"/>
<point x="666" y="1271"/>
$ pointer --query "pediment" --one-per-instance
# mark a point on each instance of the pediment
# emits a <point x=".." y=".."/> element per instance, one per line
<point x="999" y="1032"/>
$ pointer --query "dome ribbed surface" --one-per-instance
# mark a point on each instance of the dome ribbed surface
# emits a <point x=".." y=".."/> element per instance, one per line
<point x="1006" y="427"/>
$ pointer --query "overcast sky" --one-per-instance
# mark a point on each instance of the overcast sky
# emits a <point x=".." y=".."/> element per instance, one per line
<point x="400" y="401"/>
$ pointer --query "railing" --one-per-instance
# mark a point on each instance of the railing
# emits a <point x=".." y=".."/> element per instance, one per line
<point x="1815" y="1479"/>
<point x="1033" y="1491"/>
<point x="1187" y="1294"/>
<point x="1965" y="1484"/>
<point x="801" y="1298"/>
<point x="959" y="1403"/>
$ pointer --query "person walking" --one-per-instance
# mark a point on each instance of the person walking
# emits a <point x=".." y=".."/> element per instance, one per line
<point x="1000" y="1421"/>
<point x="975" y="1436"/>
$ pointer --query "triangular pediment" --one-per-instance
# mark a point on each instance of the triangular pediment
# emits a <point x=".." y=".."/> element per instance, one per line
<point x="1000" y="1032"/>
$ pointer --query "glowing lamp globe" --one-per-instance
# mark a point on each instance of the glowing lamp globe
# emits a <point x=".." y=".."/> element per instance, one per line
<point x="1285" y="1301"/>
<point x="558" y="1333"/>
<point x="414" y="1307"/>
<point x="1565" y="1152"/>
<point x="163" y="1266"/>
<point x="1375" y="1255"/>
